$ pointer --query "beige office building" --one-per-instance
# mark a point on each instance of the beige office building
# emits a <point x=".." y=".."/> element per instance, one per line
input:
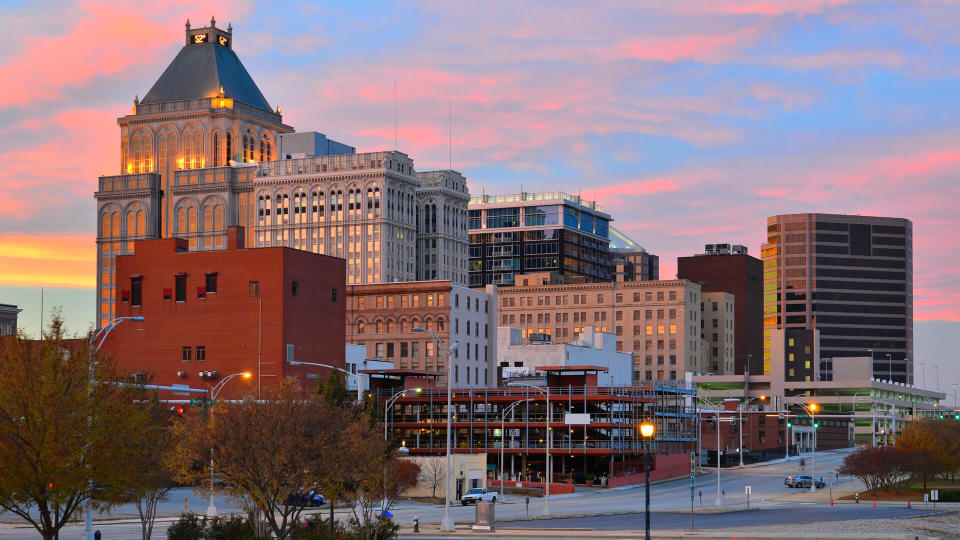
<point x="717" y="334"/>
<point x="658" y="322"/>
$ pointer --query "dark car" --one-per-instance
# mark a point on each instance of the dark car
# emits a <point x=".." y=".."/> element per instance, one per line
<point x="311" y="498"/>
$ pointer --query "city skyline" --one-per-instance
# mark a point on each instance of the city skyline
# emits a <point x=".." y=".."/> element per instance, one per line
<point x="690" y="124"/>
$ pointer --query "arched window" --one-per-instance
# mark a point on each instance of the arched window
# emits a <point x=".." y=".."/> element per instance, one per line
<point x="380" y="327"/>
<point x="197" y="160"/>
<point x="192" y="219"/>
<point x="131" y="223"/>
<point x="207" y="225"/>
<point x="135" y="153"/>
<point x="269" y="150"/>
<point x="105" y="225"/>
<point x="182" y="220"/>
<point x="263" y="148"/>
<point x="228" y="148"/>
<point x="361" y="326"/>
<point x="115" y="225"/>
<point x="217" y="150"/>
<point x="440" y="324"/>
<point x="218" y="217"/>
<point x="141" y="223"/>
<point x="317" y="206"/>
<point x="125" y="164"/>
<point x="147" y="151"/>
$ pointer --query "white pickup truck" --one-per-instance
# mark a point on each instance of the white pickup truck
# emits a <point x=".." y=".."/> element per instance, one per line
<point x="478" y="494"/>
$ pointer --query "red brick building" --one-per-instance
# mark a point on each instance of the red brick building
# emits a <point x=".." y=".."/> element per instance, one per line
<point x="209" y="314"/>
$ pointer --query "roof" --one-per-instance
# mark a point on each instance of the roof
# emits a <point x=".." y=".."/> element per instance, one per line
<point x="400" y="372"/>
<point x="200" y="71"/>
<point x="620" y="242"/>
<point x="572" y="368"/>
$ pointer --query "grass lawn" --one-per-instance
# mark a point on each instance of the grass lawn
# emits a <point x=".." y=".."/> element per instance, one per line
<point x="914" y="492"/>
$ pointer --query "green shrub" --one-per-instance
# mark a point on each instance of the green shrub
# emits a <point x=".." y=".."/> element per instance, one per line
<point x="235" y="528"/>
<point x="950" y="495"/>
<point x="189" y="527"/>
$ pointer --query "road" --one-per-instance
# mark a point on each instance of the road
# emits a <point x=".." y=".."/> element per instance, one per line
<point x="766" y="481"/>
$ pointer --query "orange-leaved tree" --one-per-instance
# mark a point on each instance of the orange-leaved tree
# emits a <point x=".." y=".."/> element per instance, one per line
<point x="67" y="431"/>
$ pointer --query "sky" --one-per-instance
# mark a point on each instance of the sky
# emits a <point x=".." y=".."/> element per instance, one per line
<point x="689" y="121"/>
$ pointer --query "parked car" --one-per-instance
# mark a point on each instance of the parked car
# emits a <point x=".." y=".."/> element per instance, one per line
<point x="478" y="494"/>
<point x="311" y="498"/>
<point x="801" y="481"/>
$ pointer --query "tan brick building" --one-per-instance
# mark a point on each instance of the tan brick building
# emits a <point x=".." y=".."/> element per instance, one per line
<point x="382" y="316"/>
<point x="656" y="321"/>
<point x="718" y="332"/>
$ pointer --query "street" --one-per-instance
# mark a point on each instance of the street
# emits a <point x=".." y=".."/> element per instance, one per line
<point x="770" y="498"/>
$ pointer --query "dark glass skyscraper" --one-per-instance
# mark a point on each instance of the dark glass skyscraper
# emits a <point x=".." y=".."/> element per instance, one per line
<point x="851" y="277"/>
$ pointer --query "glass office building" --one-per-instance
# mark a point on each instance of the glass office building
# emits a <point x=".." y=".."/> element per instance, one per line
<point x="849" y="276"/>
<point x="537" y="232"/>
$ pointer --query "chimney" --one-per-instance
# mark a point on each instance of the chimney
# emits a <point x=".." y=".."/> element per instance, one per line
<point x="235" y="237"/>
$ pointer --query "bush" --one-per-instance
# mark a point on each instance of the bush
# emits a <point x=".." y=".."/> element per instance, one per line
<point x="315" y="527"/>
<point x="949" y="495"/>
<point x="234" y="528"/>
<point x="189" y="527"/>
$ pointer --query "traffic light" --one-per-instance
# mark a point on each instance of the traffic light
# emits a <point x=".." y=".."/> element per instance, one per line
<point x="941" y="416"/>
<point x="956" y="417"/>
<point x="816" y="425"/>
<point x="789" y="424"/>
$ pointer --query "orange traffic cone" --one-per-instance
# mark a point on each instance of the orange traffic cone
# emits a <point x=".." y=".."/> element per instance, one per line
<point x="874" y="503"/>
<point x="908" y="504"/>
<point x="831" y="501"/>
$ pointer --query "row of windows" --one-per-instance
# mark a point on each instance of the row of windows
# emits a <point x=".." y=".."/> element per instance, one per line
<point x="178" y="292"/>
<point x="393" y="301"/>
<point x="137" y="152"/>
<point x="860" y="274"/>
<point x="511" y="301"/>
<point x="198" y="353"/>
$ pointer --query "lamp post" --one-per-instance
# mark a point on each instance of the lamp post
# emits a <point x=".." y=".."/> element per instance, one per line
<point x="446" y="525"/>
<point x="719" y="500"/>
<point x="740" y="414"/>
<point x="646" y="430"/>
<point x="547" y="478"/>
<point x="812" y="408"/>
<point x="503" y="420"/>
<point x="214" y="392"/>
<point x="391" y="400"/>
<point x="102" y="334"/>
<point x="354" y="375"/>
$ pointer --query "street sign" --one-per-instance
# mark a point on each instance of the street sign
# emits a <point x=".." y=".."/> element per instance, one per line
<point x="748" y="490"/>
<point x="209" y="402"/>
<point x="196" y="402"/>
<point x="748" y="495"/>
<point x="935" y="495"/>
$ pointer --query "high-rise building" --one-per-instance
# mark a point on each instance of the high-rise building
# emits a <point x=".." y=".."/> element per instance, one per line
<point x="722" y="268"/>
<point x="203" y="150"/>
<point x="442" y="199"/>
<point x="851" y="278"/>
<point x="656" y="321"/>
<point x="537" y="232"/>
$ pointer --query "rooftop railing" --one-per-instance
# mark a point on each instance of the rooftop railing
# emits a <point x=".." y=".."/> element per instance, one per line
<point x="537" y="197"/>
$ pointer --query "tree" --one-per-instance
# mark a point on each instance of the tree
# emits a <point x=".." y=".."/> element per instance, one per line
<point x="64" y="441"/>
<point x="878" y="468"/>
<point x="152" y="463"/>
<point x="267" y="452"/>
<point x="929" y="453"/>
<point x="435" y="472"/>
<point x="333" y="390"/>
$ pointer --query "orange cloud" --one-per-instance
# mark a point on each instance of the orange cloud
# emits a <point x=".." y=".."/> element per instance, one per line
<point x="48" y="260"/>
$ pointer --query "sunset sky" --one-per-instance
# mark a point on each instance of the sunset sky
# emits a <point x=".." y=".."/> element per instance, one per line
<point x="691" y="122"/>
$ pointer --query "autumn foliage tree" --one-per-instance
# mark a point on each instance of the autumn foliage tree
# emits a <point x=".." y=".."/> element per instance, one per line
<point x="64" y="441"/>
<point x="266" y="452"/>
<point x="880" y="468"/>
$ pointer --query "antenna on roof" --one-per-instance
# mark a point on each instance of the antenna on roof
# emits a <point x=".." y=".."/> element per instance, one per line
<point x="188" y="24"/>
<point x="395" y="139"/>
<point x="450" y="133"/>
<point x="213" y="22"/>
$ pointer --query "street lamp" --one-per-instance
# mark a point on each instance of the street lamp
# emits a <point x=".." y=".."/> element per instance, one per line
<point x="812" y="408"/>
<point x="214" y="392"/>
<point x="546" y="504"/>
<point x="349" y="374"/>
<point x="102" y="334"/>
<point x="740" y="414"/>
<point x="719" y="500"/>
<point x="503" y="420"/>
<point x="446" y="525"/>
<point x="646" y="430"/>
<point x="391" y="400"/>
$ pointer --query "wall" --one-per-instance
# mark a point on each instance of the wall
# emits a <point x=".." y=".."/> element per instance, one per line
<point x="665" y="466"/>
<point x="468" y="464"/>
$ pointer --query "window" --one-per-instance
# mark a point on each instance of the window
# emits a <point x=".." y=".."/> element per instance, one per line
<point x="181" y="287"/>
<point x="415" y="350"/>
<point x="361" y="326"/>
<point x="619" y="298"/>
<point x="389" y="350"/>
<point x="404" y="349"/>
<point x="334" y="295"/>
<point x="254" y="288"/>
<point x="185" y="354"/>
<point x="379" y="350"/>
<point x="201" y="351"/>
<point x="211" y="282"/>
<point x="294" y="288"/>
<point x="136" y="291"/>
